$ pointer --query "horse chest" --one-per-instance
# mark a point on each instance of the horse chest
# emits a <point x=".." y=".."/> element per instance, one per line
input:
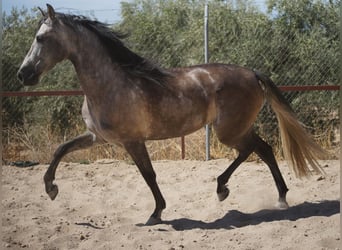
<point x="119" y="123"/>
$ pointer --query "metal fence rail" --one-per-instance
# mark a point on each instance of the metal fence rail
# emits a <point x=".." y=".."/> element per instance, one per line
<point x="182" y="141"/>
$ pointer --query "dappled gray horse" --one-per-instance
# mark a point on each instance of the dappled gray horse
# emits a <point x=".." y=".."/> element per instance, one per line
<point x="128" y="100"/>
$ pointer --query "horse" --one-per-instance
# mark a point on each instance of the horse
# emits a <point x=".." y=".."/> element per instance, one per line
<point x="129" y="100"/>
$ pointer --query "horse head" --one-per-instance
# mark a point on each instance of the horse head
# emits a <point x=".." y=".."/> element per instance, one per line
<point x="46" y="50"/>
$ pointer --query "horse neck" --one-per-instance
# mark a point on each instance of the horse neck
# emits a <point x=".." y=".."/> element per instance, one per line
<point x="95" y="69"/>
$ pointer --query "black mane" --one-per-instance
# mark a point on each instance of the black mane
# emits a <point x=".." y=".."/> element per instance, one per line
<point x="132" y="63"/>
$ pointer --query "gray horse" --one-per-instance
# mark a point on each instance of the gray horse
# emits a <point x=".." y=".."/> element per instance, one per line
<point x="128" y="100"/>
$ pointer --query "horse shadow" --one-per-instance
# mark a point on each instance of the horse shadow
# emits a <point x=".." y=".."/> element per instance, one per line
<point x="236" y="219"/>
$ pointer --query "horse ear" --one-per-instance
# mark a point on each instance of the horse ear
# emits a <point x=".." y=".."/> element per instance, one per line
<point x="43" y="13"/>
<point x="51" y="11"/>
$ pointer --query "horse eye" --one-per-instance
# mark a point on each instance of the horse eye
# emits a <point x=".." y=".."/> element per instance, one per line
<point x="40" y="39"/>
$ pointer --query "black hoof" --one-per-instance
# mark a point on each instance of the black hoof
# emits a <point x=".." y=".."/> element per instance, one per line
<point x="282" y="204"/>
<point x="52" y="191"/>
<point x="223" y="194"/>
<point x="153" y="221"/>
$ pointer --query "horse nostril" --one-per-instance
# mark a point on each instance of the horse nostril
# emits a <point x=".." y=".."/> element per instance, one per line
<point x="20" y="76"/>
<point x="27" y="76"/>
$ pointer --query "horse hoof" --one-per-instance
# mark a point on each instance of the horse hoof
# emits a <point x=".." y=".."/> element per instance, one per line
<point x="53" y="191"/>
<point x="223" y="194"/>
<point x="282" y="205"/>
<point x="153" y="221"/>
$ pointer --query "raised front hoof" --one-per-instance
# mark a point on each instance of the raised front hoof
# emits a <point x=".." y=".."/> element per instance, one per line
<point x="282" y="205"/>
<point x="52" y="191"/>
<point x="153" y="221"/>
<point x="223" y="194"/>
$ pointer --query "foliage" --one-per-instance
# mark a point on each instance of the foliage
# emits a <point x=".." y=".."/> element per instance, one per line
<point x="166" y="31"/>
<point x="18" y="32"/>
<point x="17" y="27"/>
<point x="295" y="42"/>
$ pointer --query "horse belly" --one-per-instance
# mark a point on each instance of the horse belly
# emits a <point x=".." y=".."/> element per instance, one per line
<point x="185" y="117"/>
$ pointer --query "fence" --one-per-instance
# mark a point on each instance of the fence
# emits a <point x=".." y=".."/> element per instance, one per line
<point x="328" y="135"/>
<point x="305" y="53"/>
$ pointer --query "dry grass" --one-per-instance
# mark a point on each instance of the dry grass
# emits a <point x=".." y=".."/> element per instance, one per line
<point x="39" y="144"/>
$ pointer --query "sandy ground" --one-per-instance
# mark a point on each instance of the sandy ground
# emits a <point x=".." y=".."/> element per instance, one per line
<point x="103" y="205"/>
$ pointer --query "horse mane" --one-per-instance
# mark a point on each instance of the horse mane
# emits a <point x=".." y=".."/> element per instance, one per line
<point x="129" y="61"/>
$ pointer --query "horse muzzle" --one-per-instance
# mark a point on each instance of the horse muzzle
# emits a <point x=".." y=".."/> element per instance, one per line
<point x="28" y="76"/>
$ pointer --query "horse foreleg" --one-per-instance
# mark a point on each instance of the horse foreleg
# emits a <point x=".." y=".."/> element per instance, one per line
<point x="80" y="142"/>
<point x="140" y="156"/>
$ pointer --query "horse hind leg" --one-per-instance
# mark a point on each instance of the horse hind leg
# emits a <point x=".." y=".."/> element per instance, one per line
<point x="222" y="189"/>
<point x="253" y="143"/>
<point x="265" y="152"/>
<point x="83" y="141"/>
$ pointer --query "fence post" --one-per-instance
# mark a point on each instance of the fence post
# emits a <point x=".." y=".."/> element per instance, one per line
<point x="183" y="147"/>
<point x="207" y="127"/>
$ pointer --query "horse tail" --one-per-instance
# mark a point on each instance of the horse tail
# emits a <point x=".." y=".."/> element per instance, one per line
<point x="298" y="146"/>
